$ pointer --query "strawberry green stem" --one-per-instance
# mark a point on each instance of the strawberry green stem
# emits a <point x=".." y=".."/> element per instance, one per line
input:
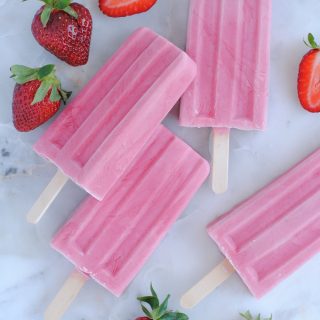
<point x="248" y="316"/>
<point x="51" y="5"/>
<point x="311" y="43"/>
<point x="49" y="81"/>
<point x="157" y="311"/>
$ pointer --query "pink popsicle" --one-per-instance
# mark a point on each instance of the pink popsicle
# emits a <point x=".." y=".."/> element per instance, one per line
<point x="269" y="236"/>
<point x="111" y="240"/>
<point x="229" y="40"/>
<point x="103" y="129"/>
<point x="273" y="233"/>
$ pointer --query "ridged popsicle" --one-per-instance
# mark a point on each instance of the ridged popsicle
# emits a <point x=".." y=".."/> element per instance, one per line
<point x="111" y="240"/>
<point x="272" y="234"/>
<point x="103" y="129"/>
<point x="230" y="42"/>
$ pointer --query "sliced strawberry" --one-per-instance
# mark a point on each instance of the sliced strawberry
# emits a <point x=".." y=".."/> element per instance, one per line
<point x="309" y="78"/>
<point x="122" y="8"/>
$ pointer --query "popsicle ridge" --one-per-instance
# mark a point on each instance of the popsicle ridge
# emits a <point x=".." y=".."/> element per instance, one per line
<point x="230" y="44"/>
<point x="152" y="222"/>
<point x="111" y="240"/>
<point x="134" y="182"/>
<point x="118" y="103"/>
<point x="269" y="265"/>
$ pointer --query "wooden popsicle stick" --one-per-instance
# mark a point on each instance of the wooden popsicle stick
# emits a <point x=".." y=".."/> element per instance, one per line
<point x="207" y="284"/>
<point x="47" y="197"/>
<point x="220" y="159"/>
<point x="65" y="296"/>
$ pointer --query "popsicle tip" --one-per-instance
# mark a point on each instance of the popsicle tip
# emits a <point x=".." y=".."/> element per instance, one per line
<point x="32" y="219"/>
<point x="47" y="316"/>
<point x="219" y="187"/>
<point x="187" y="301"/>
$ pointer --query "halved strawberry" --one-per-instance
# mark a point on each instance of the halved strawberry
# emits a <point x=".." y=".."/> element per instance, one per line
<point x="123" y="8"/>
<point x="309" y="77"/>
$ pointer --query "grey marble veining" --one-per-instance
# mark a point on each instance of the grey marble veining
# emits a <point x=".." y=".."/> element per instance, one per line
<point x="31" y="272"/>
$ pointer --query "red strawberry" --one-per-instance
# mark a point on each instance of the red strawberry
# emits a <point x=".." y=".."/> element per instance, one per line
<point x="37" y="96"/>
<point x="122" y="8"/>
<point x="309" y="77"/>
<point x="64" y="29"/>
<point x="158" y="311"/>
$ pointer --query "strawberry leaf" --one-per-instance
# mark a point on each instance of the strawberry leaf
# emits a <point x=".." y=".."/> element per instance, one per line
<point x="151" y="301"/>
<point x="42" y="92"/>
<point x="22" y="70"/>
<point x="174" y="316"/>
<point x="24" y="79"/>
<point x="45" y="15"/>
<point x="248" y="316"/>
<point x="159" y="311"/>
<point x="22" y="74"/>
<point x="71" y="12"/>
<point x="55" y="95"/>
<point x="45" y="71"/>
<point x="311" y="42"/>
<point x="60" y="4"/>
<point x="48" y="2"/>
<point x="153" y="292"/>
<point x="163" y="307"/>
<point x="146" y="311"/>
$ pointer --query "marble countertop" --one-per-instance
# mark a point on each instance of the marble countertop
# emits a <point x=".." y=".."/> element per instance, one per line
<point x="31" y="273"/>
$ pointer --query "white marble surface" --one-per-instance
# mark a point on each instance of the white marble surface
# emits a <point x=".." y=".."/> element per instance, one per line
<point x="31" y="273"/>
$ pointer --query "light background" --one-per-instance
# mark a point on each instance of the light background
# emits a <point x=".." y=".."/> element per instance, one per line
<point x="31" y="273"/>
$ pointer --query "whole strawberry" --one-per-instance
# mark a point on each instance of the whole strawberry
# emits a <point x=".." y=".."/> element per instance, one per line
<point x="309" y="75"/>
<point x="64" y="29"/>
<point x="37" y="96"/>
<point x="158" y="311"/>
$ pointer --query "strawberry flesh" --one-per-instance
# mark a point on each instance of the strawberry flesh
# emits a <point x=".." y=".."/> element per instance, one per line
<point x="122" y="8"/>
